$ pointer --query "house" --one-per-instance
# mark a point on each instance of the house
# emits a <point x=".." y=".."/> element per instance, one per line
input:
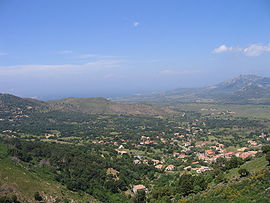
<point x="209" y="152"/>
<point x="169" y="167"/>
<point x="187" y="144"/>
<point x="176" y="154"/>
<point x="7" y="131"/>
<point x="155" y="161"/>
<point x="201" y="156"/>
<point x="147" y="142"/>
<point x="160" y="166"/>
<point x="139" y="187"/>
<point x="121" y="147"/>
<point x="242" y="149"/>
<point x="187" y="168"/>
<point x="245" y="155"/>
<point x="121" y="152"/>
<point x="262" y="135"/>
<point x="47" y="136"/>
<point x="202" y="169"/>
<point x="136" y="161"/>
<point x="252" y="143"/>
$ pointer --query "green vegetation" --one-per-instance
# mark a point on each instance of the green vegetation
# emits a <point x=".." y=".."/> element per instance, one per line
<point x="252" y="166"/>
<point x="16" y="179"/>
<point x="102" y="105"/>
<point x="250" y="189"/>
<point x="81" y="149"/>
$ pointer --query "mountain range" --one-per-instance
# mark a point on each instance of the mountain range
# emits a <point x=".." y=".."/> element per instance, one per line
<point x="243" y="89"/>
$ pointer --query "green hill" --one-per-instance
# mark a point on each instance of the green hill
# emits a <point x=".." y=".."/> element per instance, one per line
<point x="17" y="180"/>
<point x="102" y="105"/>
<point x="10" y="102"/>
<point x="253" y="166"/>
<point x="253" y="188"/>
<point x="95" y="105"/>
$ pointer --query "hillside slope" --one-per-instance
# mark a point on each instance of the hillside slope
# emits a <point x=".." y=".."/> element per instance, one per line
<point x="94" y="105"/>
<point x="10" y="102"/>
<point x="253" y="188"/>
<point x="102" y="105"/>
<point x="17" y="180"/>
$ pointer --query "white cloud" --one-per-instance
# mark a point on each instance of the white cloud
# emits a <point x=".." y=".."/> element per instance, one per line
<point x="256" y="49"/>
<point x="222" y="48"/>
<point x="65" y="52"/>
<point x="3" y="54"/>
<point x="31" y="68"/>
<point x="136" y="24"/>
<point x="252" y="50"/>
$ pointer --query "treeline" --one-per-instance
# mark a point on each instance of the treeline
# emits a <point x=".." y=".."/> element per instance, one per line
<point x="213" y="123"/>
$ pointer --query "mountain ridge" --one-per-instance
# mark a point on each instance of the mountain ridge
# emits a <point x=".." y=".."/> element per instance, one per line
<point x="86" y="105"/>
<point x="242" y="89"/>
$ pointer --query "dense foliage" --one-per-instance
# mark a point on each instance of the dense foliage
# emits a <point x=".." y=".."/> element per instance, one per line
<point x="82" y="168"/>
<point x="172" y="157"/>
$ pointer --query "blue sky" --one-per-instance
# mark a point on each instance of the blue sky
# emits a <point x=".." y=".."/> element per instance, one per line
<point x="53" y="49"/>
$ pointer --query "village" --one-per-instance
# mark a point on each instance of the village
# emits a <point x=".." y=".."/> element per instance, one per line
<point x="171" y="146"/>
<point x="181" y="148"/>
<point x="192" y="156"/>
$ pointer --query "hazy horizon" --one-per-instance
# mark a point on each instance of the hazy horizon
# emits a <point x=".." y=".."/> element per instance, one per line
<point x="124" y="94"/>
<point x="55" y="49"/>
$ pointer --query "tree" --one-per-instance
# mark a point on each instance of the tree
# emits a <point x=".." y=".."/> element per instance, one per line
<point x="199" y="183"/>
<point x="267" y="157"/>
<point x="186" y="184"/>
<point x="37" y="196"/>
<point x="266" y="148"/>
<point x="140" y="196"/>
<point x="243" y="172"/>
<point x="13" y="198"/>
<point x="220" y="178"/>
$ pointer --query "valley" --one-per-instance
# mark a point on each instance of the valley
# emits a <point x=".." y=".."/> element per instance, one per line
<point x="140" y="153"/>
<point x="134" y="101"/>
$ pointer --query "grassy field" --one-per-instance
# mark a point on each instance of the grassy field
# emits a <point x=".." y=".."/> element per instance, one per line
<point x="252" y="166"/>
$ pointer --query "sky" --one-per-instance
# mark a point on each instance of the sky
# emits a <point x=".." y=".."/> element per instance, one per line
<point x="90" y="48"/>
